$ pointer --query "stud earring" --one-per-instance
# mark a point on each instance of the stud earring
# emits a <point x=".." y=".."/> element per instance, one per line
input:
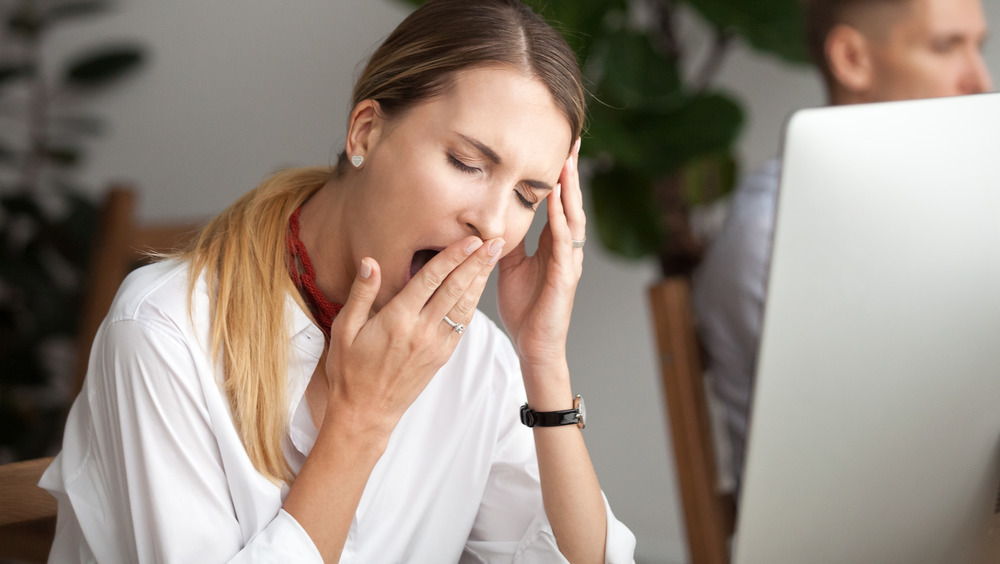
<point x="356" y="160"/>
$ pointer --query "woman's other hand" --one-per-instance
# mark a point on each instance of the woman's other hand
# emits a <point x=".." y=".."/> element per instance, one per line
<point x="536" y="292"/>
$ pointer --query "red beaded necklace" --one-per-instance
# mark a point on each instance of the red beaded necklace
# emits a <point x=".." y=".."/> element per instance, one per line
<point x="304" y="277"/>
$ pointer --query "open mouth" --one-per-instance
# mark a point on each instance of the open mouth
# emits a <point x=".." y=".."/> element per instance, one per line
<point x="420" y="258"/>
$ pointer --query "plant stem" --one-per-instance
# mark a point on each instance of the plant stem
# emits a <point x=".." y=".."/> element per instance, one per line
<point x="720" y="47"/>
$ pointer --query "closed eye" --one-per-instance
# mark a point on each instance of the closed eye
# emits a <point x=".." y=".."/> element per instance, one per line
<point x="525" y="201"/>
<point x="521" y="198"/>
<point x="461" y="166"/>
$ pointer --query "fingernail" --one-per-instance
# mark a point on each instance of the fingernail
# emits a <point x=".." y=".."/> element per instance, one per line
<point x="473" y="246"/>
<point x="366" y="269"/>
<point x="570" y="164"/>
<point x="576" y="147"/>
<point x="495" y="248"/>
<point x="557" y="191"/>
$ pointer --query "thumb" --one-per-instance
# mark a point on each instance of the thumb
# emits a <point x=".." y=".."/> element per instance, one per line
<point x="358" y="307"/>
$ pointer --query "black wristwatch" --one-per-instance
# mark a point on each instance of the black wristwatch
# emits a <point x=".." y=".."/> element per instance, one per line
<point x="576" y="416"/>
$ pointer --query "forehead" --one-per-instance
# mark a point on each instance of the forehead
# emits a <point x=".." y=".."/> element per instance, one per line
<point x="514" y="114"/>
<point x="943" y="17"/>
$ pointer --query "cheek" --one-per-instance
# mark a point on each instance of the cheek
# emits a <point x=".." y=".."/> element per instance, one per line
<point x="936" y="75"/>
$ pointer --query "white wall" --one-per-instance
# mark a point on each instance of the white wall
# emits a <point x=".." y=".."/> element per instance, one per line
<point x="236" y="89"/>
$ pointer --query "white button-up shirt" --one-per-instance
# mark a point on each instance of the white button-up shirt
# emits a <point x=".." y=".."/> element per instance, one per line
<point x="153" y="470"/>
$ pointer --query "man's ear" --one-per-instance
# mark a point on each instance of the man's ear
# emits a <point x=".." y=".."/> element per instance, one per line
<point x="849" y="56"/>
<point x="363" y="128"/>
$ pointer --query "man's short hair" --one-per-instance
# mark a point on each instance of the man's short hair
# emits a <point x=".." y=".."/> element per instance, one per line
<point x="821" y="16"/>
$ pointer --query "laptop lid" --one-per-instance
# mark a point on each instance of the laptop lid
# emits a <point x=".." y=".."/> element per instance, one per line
<point x="875" y="430"/>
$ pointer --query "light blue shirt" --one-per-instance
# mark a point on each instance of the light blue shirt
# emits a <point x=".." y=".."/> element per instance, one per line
<point x="729" y="288"/>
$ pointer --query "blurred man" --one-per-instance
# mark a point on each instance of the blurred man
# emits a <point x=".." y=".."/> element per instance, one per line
<point x="867" y="51"/>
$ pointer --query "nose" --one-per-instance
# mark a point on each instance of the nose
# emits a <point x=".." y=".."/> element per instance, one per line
<point x="977" y="78"/>
<point x="486" y="215"/>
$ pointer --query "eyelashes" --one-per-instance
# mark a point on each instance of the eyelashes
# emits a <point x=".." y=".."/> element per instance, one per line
<point x="461" y="166"/>
<point x="521" y="198"/>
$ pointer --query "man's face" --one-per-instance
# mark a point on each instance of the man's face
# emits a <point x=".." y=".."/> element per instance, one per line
<point x="933" y="51"/>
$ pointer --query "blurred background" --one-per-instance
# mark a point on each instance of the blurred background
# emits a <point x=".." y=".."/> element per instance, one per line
<point x="205" y="99"/>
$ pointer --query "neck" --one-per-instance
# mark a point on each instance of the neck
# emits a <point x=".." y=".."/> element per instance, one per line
<point x="324" y="233"/>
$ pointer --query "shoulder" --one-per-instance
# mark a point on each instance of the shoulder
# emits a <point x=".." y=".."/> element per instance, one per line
<point x="154" y="308"/>
<point x="154" y="294"/>
<point x="736" y="262"/>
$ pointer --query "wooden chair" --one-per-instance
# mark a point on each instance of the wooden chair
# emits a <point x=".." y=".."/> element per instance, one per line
<point x="27" y="512"/>
<point x="121" y="244"/>
<point x="709" y="514"/>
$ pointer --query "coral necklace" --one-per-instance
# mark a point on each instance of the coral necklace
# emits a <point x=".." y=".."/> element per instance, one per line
<point x="304" y="277"/>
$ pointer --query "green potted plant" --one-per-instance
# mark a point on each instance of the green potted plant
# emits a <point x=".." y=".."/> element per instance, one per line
<point x="660" y="137"/>
<point x="46" y="220"/>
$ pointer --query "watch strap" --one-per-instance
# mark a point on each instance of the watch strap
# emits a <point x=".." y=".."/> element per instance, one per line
<point x="532" y="418"/>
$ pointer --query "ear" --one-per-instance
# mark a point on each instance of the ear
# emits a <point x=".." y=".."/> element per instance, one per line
<point x="363" y="128"/>
<point x="849" y="56"/>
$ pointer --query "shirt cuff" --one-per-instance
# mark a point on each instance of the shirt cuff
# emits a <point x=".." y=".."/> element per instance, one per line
<point x="282" y="540"/>
<point x="539" y="544"/>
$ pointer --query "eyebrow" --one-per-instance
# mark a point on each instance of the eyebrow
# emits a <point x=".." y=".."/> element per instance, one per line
<point x="493" y="156"/>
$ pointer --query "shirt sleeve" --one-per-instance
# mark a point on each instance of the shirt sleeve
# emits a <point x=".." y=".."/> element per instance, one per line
<point x="141" y="469"/>
<point x="729" y="291"/>
<point x="511" y="525"/>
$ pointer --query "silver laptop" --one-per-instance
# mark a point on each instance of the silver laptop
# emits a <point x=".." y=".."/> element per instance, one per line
<point x="875" y="432"/>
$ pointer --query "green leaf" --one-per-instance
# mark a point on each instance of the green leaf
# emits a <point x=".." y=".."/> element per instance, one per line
<point x="633" y="75"/>
<point x="581" y="22"/>
<point x="13" y="71"/>
<point x="22" y="203"/>
<point x="74" y="232"/>
<point x="708" y="178"/>
<point x="103" y="65"/>
<point x="64" y="156"/>
<point x="625" y="212"/>
<point x="657" y="142"/>
<point x="771" y="26"/>
<point x="67" y="10"/>
<point x="25" y="20"/>
<point x="705" y="124"/>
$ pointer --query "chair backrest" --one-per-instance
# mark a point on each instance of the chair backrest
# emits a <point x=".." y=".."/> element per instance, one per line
<point x="709" y="514"/>
<point x="27" y="512"/>
<point x="120" y="245"/>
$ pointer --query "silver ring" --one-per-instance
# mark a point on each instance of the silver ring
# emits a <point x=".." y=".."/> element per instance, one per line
<point x="578" y="243"/>
<point x="458" y="327"/>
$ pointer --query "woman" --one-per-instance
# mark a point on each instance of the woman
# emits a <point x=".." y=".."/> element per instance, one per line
<point x="234" y="411"/>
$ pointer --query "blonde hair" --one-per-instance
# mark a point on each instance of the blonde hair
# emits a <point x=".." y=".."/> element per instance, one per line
<point x="418" y="60"/>
<point x="243" y="252"/>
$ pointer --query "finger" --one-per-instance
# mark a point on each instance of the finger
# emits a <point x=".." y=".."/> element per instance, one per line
<point x="465" y="308"/>
<point x="458" y="295"/>
<point x="558" y="226"/>
<point x="358" y="307"/>
<point x="573" y="196"/>
<point x="425" y="283"/>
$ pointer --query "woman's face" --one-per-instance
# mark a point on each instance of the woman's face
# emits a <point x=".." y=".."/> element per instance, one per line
<point x="478" y="160"/>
